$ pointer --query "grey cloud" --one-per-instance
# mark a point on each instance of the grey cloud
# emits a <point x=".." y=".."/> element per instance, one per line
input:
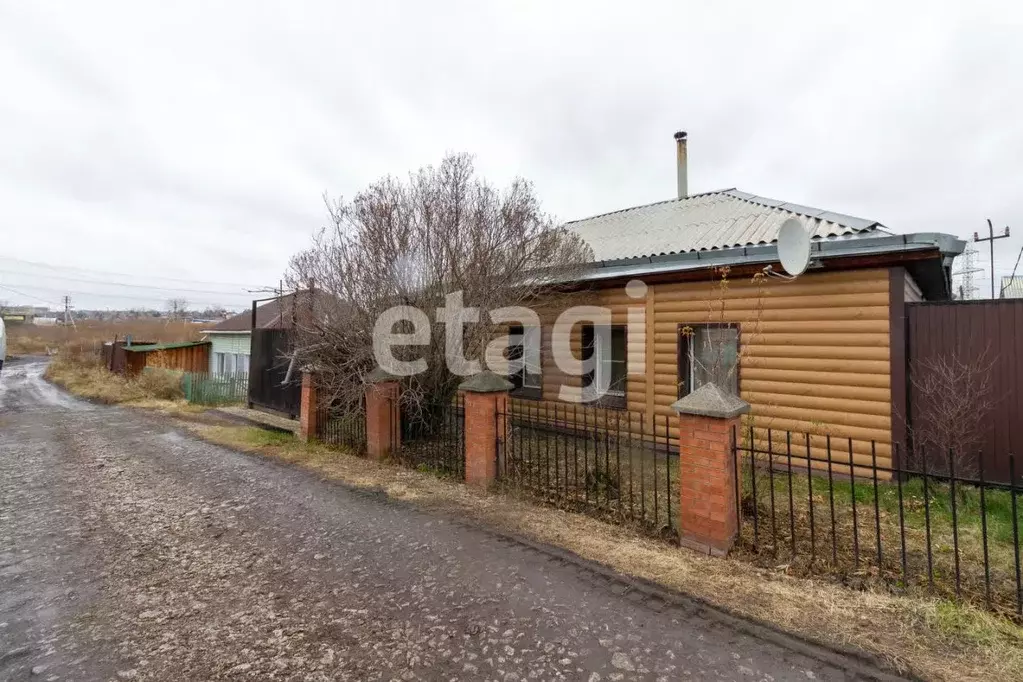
<point x="209" y="132"/>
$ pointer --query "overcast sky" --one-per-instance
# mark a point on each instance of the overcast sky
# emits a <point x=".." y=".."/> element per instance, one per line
<point x="193" y="140"/>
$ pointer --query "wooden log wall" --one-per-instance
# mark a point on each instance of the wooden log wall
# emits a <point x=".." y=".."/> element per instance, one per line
<point x="184" y="359"/>
<point x="814" y="357"/>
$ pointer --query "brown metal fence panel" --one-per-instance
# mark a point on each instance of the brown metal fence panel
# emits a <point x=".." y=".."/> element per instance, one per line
<point x="972" y="329"/>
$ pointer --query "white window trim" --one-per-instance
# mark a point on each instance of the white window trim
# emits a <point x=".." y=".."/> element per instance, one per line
<point x="602" y="369"/>
<point x="692" y="363"/>
<point x="532" y="365"/>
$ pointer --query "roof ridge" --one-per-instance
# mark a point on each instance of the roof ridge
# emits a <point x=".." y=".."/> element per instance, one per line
<point x="652" y="203"/>
<point x="803" y="210"/>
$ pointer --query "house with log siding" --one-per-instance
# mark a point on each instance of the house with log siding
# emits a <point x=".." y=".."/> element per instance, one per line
<point x="821" y="354"/>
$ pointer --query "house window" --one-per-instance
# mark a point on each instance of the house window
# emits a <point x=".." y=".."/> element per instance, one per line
<point x="231" y="363"/>
<point x="708" y="353"/>
<point x="525" y="365"/>
<point x="606" y="350"/>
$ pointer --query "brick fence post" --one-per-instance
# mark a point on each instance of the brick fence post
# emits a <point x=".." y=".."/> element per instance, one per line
<point x="383" y="414"/>
<point x="308" y="406"/>
<point x="485" y="398"/>
<point x="708" y="514"/>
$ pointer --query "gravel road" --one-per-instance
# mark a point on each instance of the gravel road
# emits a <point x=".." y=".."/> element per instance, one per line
<point x="131" y="550"/>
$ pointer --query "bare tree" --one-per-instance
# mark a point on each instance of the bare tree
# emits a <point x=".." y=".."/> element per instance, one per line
<point x="410" y="243"/>
<point x="176" y="307"/>
<point x="953" y="393"/>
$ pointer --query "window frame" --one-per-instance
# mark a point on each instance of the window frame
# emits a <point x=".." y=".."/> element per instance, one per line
<point x="521" y="390"/>
<point x="616" y="400"/>
<point x="684" y="345"/>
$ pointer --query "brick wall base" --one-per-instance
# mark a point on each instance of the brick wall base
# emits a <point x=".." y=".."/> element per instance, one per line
<point x="708" y="518"/>
<point x="307" y="426"/>
<point x="484" y="419"/>
<point x="383" y="421"/>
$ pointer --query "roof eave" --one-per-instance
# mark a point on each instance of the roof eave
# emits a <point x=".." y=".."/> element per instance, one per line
<point x="948" y="245"/>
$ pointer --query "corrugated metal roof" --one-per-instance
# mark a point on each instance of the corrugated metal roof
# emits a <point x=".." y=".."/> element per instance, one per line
<point x="163" y="346"/>
<point x="1012" y="287"/>
<point x="714" y="220"/>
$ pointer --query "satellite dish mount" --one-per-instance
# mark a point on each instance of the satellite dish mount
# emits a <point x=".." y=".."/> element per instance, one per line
<point x="793" y="250"/>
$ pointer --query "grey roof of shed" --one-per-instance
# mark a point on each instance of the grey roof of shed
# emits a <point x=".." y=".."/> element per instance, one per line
<point x="714" y="220"/>
<point x="1012" y="287"/>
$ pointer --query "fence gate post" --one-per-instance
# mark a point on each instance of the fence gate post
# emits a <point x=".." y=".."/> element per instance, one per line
<point x="307" y="426"/>
<point x="486" y="407"/>
<point x="383" y="414"/>
<point x="708" y="518"/>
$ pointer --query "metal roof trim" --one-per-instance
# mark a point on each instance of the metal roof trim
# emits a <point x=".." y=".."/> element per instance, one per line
<point x="695" y="260"/>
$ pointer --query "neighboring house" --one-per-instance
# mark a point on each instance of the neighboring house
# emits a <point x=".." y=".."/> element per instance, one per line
<point x="823" y="354"/>
<point x="232" y="339"/>
<point x="1012" y="287"/>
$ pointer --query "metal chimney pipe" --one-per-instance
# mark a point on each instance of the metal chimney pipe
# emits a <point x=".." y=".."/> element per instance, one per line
<point x="683" y="159"/>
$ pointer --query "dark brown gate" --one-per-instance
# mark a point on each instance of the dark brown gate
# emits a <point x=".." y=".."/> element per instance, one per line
<point x="268" y="368"/>
<point x="973" y="329"/>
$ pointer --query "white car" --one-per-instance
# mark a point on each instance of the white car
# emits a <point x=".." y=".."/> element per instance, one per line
<point x="3" y="343"/>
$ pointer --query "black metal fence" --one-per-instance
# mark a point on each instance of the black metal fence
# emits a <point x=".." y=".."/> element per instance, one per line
<point x="343" y="427"/>
<point x="268" y="368"/>
<point x="947" y="529"/>
<point x="432" y="437"/>
<point x="613" y="463"/>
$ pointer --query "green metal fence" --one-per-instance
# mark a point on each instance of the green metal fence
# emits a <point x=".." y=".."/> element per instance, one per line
<point x="203" y="388"/>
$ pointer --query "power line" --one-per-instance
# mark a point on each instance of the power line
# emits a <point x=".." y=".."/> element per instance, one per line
<point x="991" y="241"/>
<point x="242" y="293"/>
<point x="122" y="274"/>
<point x="22" y="293"/>
<point x="99" y="295"/>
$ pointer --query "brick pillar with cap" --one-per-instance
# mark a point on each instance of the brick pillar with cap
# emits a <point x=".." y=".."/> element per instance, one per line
<point x="485" y="397"/>
<point x="383" y="414"/>
<point x="708" y="514"/>
<point x="308" y="406"/>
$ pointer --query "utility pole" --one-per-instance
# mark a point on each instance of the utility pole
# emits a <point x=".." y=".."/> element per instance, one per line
<point x="991" y="240"/>
<point x="68" y="318"/>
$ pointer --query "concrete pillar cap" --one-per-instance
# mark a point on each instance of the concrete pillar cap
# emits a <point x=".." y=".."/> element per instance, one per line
<point x="379" y="376"/>
<point x="486" y="382"/>
<point x="710" y="401"/>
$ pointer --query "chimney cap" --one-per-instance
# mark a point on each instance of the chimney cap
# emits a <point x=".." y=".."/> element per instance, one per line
<point x="680" y="135"/>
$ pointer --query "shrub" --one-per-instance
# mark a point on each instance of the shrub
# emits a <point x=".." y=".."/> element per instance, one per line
<point x="160" y="384"/>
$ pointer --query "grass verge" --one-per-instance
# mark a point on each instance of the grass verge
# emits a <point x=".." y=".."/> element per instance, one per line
<point x="931" y="638"/>
<point x="840" y="534"/>
<point x="82" y="375"/>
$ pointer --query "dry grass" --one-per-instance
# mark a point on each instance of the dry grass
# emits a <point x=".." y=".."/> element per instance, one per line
<point x="931" y="638"/>
<point x="28" y="339"/>
<point x="80" y="372"/>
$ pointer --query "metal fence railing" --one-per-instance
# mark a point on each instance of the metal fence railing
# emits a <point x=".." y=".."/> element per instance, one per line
<point x="432" y="437"/>
<point x="343" y="427"/>
<point x="946" y="530"/>
<point x="204" y="388"/>
<point x="617" y="464"/>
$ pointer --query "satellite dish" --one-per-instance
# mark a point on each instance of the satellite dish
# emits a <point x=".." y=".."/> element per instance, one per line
<point x="793" y="247"/>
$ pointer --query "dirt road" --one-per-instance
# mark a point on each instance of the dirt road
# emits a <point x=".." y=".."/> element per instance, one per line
<point x="130" y="550"/>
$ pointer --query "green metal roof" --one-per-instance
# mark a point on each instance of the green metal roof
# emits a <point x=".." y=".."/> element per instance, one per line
<point x="164" y="346"/>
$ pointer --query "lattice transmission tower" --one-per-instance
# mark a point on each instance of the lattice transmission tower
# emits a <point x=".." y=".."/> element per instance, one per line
<point x="964" y="284"/>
